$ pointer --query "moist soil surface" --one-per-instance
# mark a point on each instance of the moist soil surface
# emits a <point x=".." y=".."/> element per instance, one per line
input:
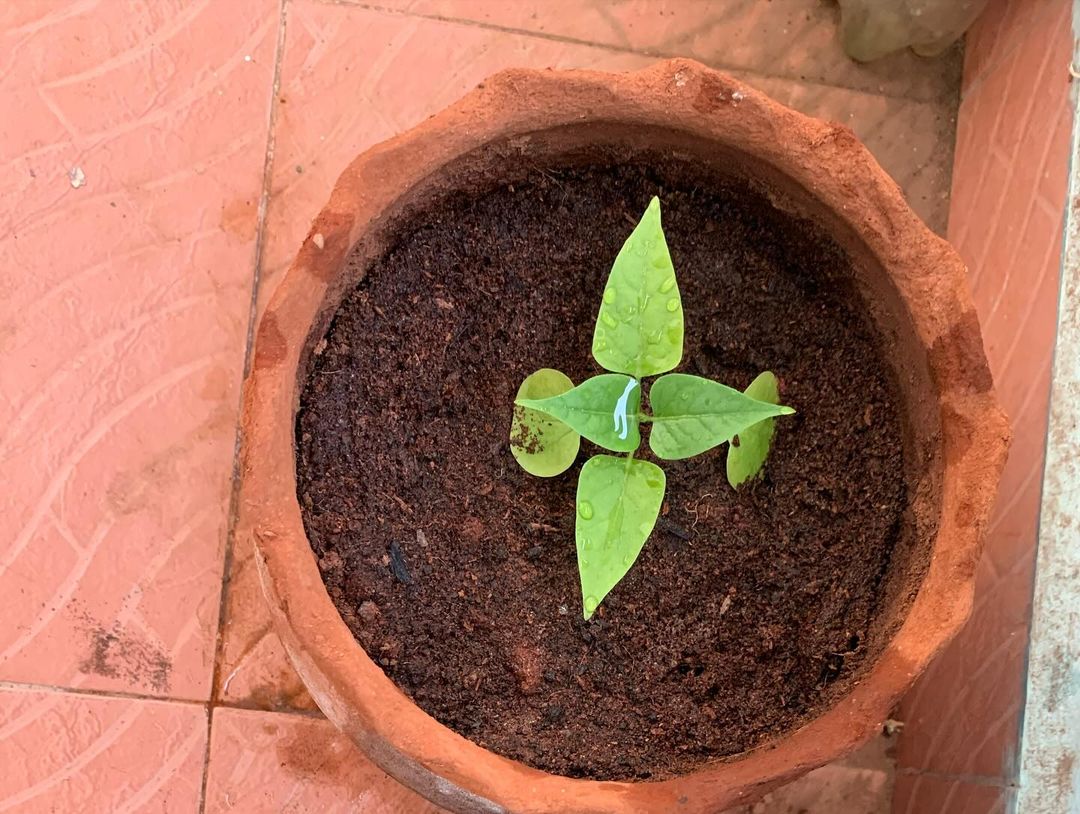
<point x="748" y="611"/>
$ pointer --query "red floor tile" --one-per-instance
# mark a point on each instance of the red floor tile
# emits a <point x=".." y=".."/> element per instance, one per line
<point x="253" y="668"/>
<point x="124" y="299"/>
<point x="69" y="753"/>
<point x="860" y="784"/>
<point x="1003" y="26"/>
<point x="1008" y="201"/>
<point x="795" y="39"/>
<point x="923" y="794"/>
<point x="289" y="764"/>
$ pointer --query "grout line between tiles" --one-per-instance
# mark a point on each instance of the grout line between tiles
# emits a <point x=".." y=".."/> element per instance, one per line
<point x="249" y="341"/>
<point x="970" y="779"/>
<point x="654" y="53"/>
<point x="311" y="714"/>
<point x="19" y="686"/>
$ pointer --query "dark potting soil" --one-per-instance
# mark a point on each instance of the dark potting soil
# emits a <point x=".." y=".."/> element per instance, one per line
<point x="747" y="611"/>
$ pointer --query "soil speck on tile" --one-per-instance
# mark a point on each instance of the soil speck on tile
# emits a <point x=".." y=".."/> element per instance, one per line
<point x="309" y="754"/>
<point x="116" y="652"/>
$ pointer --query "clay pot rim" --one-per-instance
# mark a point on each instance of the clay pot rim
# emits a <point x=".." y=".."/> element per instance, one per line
<point x="354" y="692"/>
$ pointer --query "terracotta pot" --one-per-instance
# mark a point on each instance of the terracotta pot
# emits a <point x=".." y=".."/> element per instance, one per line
<point x="914" y="288"/>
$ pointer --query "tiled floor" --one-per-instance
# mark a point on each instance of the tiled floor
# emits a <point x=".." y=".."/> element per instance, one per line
<point x="161" y="167"/>
<point x="1009" y="191"/>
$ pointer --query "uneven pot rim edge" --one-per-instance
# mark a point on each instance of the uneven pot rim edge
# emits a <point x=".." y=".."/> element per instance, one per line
<point x="342" y="677"/>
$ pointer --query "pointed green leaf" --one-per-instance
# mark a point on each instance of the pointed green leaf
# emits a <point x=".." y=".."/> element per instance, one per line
<point x="541" y="444"/>
<point x="618" y="501"/>
<point x="746" y="460"/>
<point x="692" y="414"/>
<point x="604" y="409"/>
<point x="639" y="330"/>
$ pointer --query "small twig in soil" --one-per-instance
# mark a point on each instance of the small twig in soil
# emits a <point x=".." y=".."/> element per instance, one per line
<point x="725" y="604"/>
<point x="543" y="527"/>
<point x="551" y="177"/>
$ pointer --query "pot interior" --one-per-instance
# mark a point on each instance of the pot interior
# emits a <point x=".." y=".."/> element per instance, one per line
<point x="748" y="612"/>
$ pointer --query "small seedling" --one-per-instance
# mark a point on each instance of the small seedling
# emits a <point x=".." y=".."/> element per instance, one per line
<point x="639" y="333"/>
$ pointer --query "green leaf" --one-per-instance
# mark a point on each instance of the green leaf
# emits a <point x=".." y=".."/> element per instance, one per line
<point x="541" y="444"/>
<point x="692" y="414"/>
<point x="639" y="330"/>
<point x="604" y="409"/>
<point x="618" y="500"/>
<point x="745" y="460"/>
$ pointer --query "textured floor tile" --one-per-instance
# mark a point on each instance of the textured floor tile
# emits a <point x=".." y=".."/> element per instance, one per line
<point x="289" y="764"/>
<point x="354" y="77"/>
<point x="792" y="39"/>
<point x="912" y="140"/>
<point x="921" y="794"/>
<point x="1050" y="743"/>
<point x="254" y="670"/>
<point x="69" y="753"/>
<point x="1003" y="26"/>
<point x="127" y="217"/>
<point x="1008" y="201"/>
<point x="340" y="95"/>
<point x="860" y="784"/>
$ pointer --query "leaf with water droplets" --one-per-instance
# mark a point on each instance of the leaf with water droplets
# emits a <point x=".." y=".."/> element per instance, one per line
<point x="604" y="409"/>
<point x="691" y="414"/>
<point x="540" y="443"/>
<point x="618" y="501"/>
<point x="639" y="329"/>
<point x="746" y="460"/>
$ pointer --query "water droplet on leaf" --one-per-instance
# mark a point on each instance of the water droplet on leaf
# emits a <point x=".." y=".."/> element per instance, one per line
<point x="610" y="294"/>
<point x="608" y="320"/>
<point x="667" y="285"/>
<point x="585" y="509"/>
<point x="590" y="603"/>
<point x="673" y="304"/>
